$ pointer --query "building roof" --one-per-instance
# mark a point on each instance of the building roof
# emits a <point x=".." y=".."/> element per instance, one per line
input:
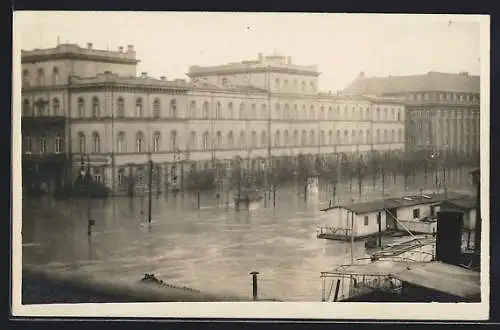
<point x="404" y="201"/>
<point x="432" y="81"/>
<point x="435" y="275"/>
<point x="466" y="203"/>
<point x="442" y="277"/>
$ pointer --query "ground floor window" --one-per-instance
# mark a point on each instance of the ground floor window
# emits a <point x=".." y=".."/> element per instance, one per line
<point x="416" y="213"/>
<point x="366" y="220"/>
<point x="97" y="175"/>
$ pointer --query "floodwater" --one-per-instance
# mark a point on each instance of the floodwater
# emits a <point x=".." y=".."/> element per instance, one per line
<point x="211" y="248"/>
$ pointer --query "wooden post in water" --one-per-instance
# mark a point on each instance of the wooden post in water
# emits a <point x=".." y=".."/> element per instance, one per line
<point x="352" y="237"/>
<point x="274" y="195"/>
<point x="337" y="288"/>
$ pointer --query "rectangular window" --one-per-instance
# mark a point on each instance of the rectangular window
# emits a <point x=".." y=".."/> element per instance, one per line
<point x="416" y="213"/>
<point x="27" y="146"/>
<point x="433" y="210"/>
<point x="366" y="220"/>
<point x="57" y="145"/>
<point x="43" y="145"/>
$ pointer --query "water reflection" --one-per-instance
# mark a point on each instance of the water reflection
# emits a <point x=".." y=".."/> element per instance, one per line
<point x="211" y="248"/>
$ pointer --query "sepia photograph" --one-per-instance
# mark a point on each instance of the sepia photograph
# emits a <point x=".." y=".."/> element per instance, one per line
<point x="250" y="165"/>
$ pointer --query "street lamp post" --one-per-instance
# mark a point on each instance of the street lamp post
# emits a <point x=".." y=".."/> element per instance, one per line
<point x="85" y="175"/>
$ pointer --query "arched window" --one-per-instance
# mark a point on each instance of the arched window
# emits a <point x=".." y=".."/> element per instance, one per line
<point x="385" y="114"/>
<point x="338" y="139"/>
<point x="174" y="143"/>
<point x="399" y="116"/>
<point x="304" y="112"/>
<point x="205" y="141"/>
<point x="286" y="114"/>
<point x="263" y="112"/>
<point x="230" y="110"/>
<point x="192" y="110"/>
<point x="386" y="137"/>
<point x="55" y="75"/>
<point x="242" y="111"/>
<point x="96" y="111"/>
<point x="120" y="108"/>
<point x="26" y="78"/>
<point x="322" y="138"/>
<point x="139" y="142"/>
<point x="393" y="114"/>
<point x="303" y="140"/>
<point x="42" y="145"/>
<point x="26" y="108"/>
<point x="377" y="117"/>
<point x="367" y="114"/>
<point x="295" y="138"/>
<point x="277" y="109"/>
<point x="96" y="143"/>
<point x="218" y="110"/>
<point x="230" y="140"/>
<point x="206" y="110"/>
<point x="330" y="137"/>
<point x="81" y="142"/>
<point x="377" y="136"/>
<point x="253" y="111"/>
<point x="312" y="113"/>
<point x="322" y="113"/>
<point x="218" y="140"/>
<point x="173" y="108"/>
<point x="286" y="141"/>
<point x="277" y="138"/>
<point x="361" y="137"/>
<point x="40" y="77"/>
<point x="303" y="86"/>
<point x="393" y="135"/>
<point x="57" y="144"/>
<point x="330" y="113"/>
<point x="156" y="109"/>
<point x="55" y="106"/>
<point x="254" y="139"/>
<point x="400" y="135"/>
<point x="353" y="137"/>
<point x="263" y="138"/>
<point x="156" y="141"/>
<point x="346" y="137"/>
<point x="121" y="145"/>
<point x="242" y="140"/>
<point x="368" y="137"/>
<point x="121" y="177"/>
<point x="138" y="108"/>
<point x="41" y="107"/>
<point x="312" y="138"/>
<point x="295" y="113"/>
<point x="193" y="145"/>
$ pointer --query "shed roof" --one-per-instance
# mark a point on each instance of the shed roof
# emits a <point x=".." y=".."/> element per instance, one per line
<point x="438" y="276"/>
<point x="435" y="275"/>
<point x="466" y="203"/>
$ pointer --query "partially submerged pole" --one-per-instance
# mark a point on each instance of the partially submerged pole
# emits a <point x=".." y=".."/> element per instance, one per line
<point x="150" y="191"/>
<point x="254" y="284"/>
<point x="352" y="237"/>
<point x="379" y="221"/>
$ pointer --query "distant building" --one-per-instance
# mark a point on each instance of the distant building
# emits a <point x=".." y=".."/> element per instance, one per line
<point x="442" y="109"/>
<point x="85" y="102"/>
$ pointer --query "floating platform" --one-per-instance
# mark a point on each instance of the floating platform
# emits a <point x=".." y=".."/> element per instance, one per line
<point x="339" y="234"/>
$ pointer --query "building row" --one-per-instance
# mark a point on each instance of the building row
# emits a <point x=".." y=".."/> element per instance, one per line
<point x="83" y="103"/>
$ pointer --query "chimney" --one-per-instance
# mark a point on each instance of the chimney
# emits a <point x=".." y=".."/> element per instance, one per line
<point x="144" y="75"/>
<point x="89" y="45"/>
<point x="130" y="48"/>
<point x="261" y="58"/>
<point x="120" y="49"/>
<point x="449" y="237"/>
<point x="163" y="78"/>
<point x="362" y="74"/>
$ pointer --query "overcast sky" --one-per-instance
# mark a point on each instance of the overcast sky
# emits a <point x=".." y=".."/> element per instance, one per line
<point x="341" y="45"/>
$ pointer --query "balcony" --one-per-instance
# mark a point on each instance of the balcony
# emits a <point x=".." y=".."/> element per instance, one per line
<point x="43" y="123"/>
<point x="47" y="158"/>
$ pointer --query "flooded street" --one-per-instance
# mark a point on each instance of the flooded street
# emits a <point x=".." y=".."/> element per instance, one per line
<point x="211" y="248"/>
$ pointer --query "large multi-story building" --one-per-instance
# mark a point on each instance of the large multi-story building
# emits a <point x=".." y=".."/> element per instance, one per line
<point x="81" y="103"/>
<point x="442" y="109"/>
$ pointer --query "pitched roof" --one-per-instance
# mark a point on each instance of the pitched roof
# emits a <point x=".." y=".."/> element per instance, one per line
<point x="404" y="201"/>
<point x="432" y="81"/>
<point x="466" y="203"/>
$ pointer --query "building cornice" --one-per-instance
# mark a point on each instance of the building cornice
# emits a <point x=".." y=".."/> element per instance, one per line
<point x="74" y="56"/>
<point x="231" y="71"/>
